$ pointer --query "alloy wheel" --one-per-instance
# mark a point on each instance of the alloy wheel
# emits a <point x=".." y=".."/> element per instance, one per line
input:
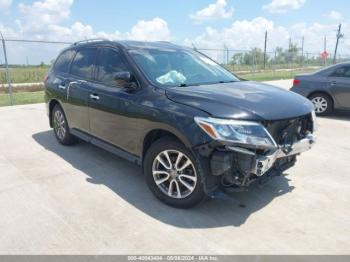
<point x="59" y="125"/>
<point x="174" y="174"/>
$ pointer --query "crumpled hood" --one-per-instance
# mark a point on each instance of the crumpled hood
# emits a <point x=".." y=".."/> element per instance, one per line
<point x="242" y="100"/>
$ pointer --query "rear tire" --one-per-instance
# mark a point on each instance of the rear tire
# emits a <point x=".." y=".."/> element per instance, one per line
<point x="172" y="175"/>
<point x="323" y="104"/>
<point x="61" y="127"/>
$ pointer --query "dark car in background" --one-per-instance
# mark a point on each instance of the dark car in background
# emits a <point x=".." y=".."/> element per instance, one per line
<point x="328" y="89"/>
<point x="193" y="126"/>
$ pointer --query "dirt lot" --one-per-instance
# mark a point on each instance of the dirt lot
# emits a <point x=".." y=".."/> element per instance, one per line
<point x="83" y="200"/>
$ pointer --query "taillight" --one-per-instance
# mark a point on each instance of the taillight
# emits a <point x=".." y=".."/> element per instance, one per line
<point x="46" y="78"/>
<point x="296" y="82"/>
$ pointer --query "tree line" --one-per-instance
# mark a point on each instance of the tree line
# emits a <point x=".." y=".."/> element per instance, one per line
<point x="293" y="54"/>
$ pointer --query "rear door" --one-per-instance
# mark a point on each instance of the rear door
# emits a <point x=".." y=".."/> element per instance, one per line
<point x="78" y="88"/>
<point x="59" y="78"/>
<point x="111" y="106"/>
<point x="339" y="82"/>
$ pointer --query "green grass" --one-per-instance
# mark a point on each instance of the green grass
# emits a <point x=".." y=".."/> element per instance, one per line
<point x="237" y="68"/>
<point x="24" y="74"/>
<point x="271" y="75"/>
<point x="22" y="98"/>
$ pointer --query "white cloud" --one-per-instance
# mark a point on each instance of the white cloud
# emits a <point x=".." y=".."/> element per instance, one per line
<point x="47" y="11"/>
<point x="283" y="6"/>
<point x="335" y="15"/>
<point x="241" y="35"/>
<point x="47" y="19"/>
<point x="8" y="31"/>
<point x="155" y="29"/>
<point x="43" y="20"/>
<point x="5" y="4"/>
<point x="246" y="34"/>
<point x="214" y="11"/>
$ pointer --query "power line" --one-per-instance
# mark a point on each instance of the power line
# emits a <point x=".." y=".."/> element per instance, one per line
<point x="37" y="41"/>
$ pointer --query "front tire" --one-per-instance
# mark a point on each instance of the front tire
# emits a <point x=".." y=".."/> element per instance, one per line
<point x="323" y="104"/>
<point x="172" y="175"/>
<point x="60" y="126"/>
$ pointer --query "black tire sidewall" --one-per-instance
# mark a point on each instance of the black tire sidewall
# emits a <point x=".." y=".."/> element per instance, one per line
<point x="168" y="144"/>
<point x="68" y="138"/>
<point x="329" y="103"/>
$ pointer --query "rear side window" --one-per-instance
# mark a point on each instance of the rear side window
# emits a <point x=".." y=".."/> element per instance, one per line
<point x="83" y="63"/>
<point x="108" y="63"/>
<point x="342" y="72"/>
<point x="63" y="62"/>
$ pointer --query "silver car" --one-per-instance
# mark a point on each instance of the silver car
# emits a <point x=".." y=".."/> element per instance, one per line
<point x="328" y="89"/>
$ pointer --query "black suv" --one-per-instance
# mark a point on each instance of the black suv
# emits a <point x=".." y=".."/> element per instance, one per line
<point x="194" y="127"/>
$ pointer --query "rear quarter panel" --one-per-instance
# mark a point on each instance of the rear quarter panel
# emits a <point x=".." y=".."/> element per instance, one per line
<point x="311" y="84"/>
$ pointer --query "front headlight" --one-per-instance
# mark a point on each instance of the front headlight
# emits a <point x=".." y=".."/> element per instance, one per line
<point x="240" y="132"/>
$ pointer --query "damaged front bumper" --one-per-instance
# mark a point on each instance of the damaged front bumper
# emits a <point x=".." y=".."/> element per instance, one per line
<point x="265" y="162"/>
<point x="239" y="166"/>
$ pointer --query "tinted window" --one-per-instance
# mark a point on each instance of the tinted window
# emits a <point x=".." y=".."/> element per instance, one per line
<point x="109" y="62"/>
<point x="63" y="61"/>
<point x="342" y="72"/>
<point x="83" y="63"/>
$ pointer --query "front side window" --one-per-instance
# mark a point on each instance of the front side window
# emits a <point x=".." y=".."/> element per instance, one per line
<point x="83" y="63"/>
<point x="342" y="72"/>
<point x="180" y="67"/>
<point x="109" y="62"/>
<point x="63" y="62"/>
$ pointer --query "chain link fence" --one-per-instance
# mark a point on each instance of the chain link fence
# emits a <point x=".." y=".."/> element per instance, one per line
<point x="23" y="67"/>
<point x="258" y="65"/>
<point x="28" y="61"/>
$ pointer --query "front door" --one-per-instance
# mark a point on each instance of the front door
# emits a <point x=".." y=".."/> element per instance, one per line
<point x="339" y="82"/>
<point x="111" y="106"/>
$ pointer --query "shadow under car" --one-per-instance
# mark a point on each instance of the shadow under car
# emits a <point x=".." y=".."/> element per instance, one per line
<point x="126" y="180"/>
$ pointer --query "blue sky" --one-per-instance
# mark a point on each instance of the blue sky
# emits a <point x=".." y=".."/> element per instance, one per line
<point x="238" y="24"/>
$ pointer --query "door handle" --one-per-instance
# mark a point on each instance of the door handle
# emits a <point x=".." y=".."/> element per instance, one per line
<point x="333" y="83"/>
<point x="69" y="86"/>
<point x="94" y="97"/>
<point x="62" y="87"/>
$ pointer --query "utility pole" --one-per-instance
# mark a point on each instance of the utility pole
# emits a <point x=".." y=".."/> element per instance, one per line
<point x="302" y="46"/>
<point x="227" y="56"/>
<point x="265" y="49"/>
<point x="339" y="35"/>
<point x="224" y="55"/>
<point x="302" y="51"/>
<point x="290" y="43"/>
<point x="325" y="50"/>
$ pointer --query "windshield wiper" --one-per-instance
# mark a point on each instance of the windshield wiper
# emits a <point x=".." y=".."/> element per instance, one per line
<point x="230" y="81"/>
<point x="186" y="85"/>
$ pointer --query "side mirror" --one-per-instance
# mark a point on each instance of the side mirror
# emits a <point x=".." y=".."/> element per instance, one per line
<point x="125" y="79"/>
<point x="123" y="76"/>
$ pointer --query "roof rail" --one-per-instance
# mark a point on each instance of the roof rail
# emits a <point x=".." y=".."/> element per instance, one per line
<point x="90" y="40"/>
